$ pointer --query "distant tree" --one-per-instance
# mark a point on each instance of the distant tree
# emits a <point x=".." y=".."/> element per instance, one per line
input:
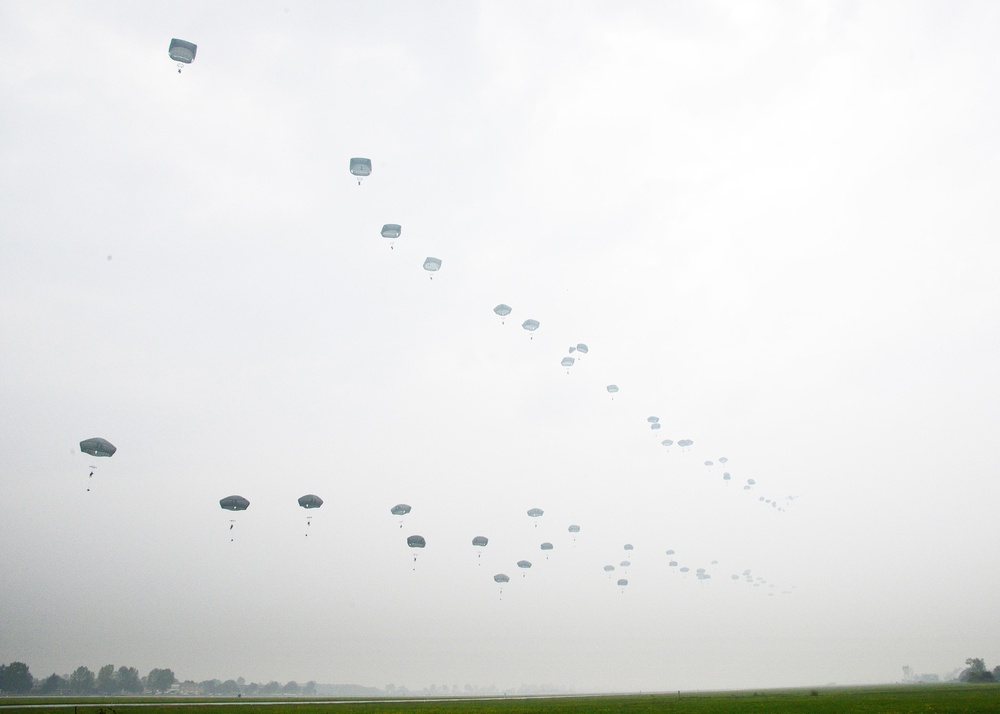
<point x="229" y="688"/>
<point x="976" y="672"/>
<point x="82" y="681"/>
<point x="160" y="680"/>
<point x="53" y="684"/>
<point x="105" y="682"/>
<point x="270" y="688"/>
<point x="127" y="680"/>
<point x="209" y="686"/>
<point x="996" y="673"/>
<point x="309" y="688"/>
<point x="291" y="687"/>
<point x="250" y="689"/>
<point x="15" y="678"/>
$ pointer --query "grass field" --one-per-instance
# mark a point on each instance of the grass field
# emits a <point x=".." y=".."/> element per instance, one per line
<point x="923" y="699"/>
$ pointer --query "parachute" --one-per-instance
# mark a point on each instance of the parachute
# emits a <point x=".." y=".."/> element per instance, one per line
<point x="98" y="447"/>
<point x="524" y="565"/>
<point x="582" y="348"/>
<point x="608" y="568"/>
<point x="310" y="501"/>
<point x="546" y="546"/>
<point x="653" y="419"/>
<point x="655" y="425"/>
<point x="612" y="389"/>
<point x="622" y="582"/>
<point x="625" y="564"/>
<point x="502" y="311"/>
<point x="667" y="442"/>
<point x="480" y="542"/>
<point x="530" y="326"/>
<point x="535" y="512"/>
<point x="723" y="459"/>
<point x="234" y="503"/>
<point x="360" y="168"/>
<point x="574" y="529"/>
<point x="501" y="578"/>
<point x="708" y="463"/>
<point x="432" y="265"/>
<point x="400" y="509"/>
<point x="567" y="362"/>
<point x="182" y="52"/>
<point x="415" y="541"/>
<point x="628" y="546"/>
<point x="726" y="476"/>
<point x="391" y="231"/>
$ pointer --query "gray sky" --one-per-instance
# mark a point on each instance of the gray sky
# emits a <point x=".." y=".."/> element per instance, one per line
<point x="773" y="224"/>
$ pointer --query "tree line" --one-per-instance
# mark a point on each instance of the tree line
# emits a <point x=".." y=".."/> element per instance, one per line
<point x="16" y="678"/>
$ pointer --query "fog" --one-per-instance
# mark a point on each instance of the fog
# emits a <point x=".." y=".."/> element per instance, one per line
<point x="773" y="226"/>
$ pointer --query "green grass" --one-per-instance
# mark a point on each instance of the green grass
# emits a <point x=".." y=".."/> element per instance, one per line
<point x="923" y="699"/>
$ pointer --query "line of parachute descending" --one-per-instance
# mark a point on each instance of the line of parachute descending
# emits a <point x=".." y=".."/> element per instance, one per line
<point x="184" y="52"/>
<point x="416" y="543"/>
<point x="360" y="168"/>
<point x="548" y="549"/>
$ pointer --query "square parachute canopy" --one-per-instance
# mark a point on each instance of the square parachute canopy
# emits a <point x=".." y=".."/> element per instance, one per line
<point x="361" y="167"/>
<point x="181" y="51"/>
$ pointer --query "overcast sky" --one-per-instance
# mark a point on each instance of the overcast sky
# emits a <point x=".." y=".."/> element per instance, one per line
<point x="773" y="224"/>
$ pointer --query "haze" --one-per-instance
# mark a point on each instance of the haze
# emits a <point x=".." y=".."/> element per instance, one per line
<point x="773" y="225"/>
